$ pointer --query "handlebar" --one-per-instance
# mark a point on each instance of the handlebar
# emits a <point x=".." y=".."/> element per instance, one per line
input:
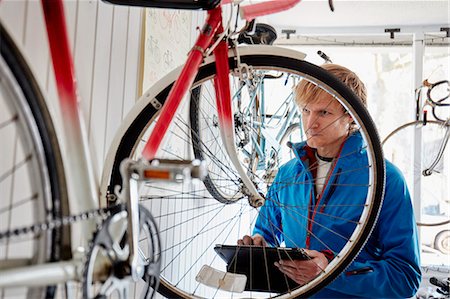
<point x="441" y="94"/>
<point x="442" y="284"/>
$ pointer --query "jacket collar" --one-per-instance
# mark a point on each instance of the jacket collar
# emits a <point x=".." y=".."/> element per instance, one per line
<point x="354" y="144"/>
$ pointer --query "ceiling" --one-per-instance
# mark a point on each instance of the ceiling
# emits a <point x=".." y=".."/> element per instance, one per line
<point x="363" y="22"/>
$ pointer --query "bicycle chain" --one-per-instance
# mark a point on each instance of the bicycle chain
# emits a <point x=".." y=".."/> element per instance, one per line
<point x="35" y="229"/>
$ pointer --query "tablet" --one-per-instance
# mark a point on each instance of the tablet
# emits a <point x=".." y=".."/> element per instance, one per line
<point x="257" y="263"/>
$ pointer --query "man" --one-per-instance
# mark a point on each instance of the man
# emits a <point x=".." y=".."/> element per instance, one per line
<point x="389" y="265"/>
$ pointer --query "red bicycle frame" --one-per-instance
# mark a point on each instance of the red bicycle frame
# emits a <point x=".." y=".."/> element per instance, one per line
<point x="78" y="165"/>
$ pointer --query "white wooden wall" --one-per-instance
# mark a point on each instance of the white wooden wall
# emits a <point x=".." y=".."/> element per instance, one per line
<point x="106" y="45"/>
<point x="111" y="58"/>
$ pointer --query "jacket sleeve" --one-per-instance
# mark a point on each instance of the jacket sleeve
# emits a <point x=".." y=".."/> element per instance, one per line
<point x="268" y="222"/>
<point x="394" y="270"/>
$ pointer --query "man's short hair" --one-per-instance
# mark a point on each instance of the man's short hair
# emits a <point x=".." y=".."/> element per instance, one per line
<point x="307" y="92"/>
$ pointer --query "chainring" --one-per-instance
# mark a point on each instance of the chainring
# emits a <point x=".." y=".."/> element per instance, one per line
<point x="107" y="270"/>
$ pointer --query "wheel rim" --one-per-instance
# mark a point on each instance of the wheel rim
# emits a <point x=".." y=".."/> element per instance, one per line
<point x="443" y="242"/>
<point x="433" y="200"/>
<point x="24" y="176"/>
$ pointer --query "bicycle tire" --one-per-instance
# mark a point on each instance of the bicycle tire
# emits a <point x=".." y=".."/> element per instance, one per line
<point x="41" y="174"/>
<point x="432" y="133"/>
<point x="139" y="123"/>
<point x="209" y="181"/>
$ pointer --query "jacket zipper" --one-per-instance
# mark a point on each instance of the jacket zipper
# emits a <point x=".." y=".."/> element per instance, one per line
<point x="316" y="205"/>
<point x="332" y="189"/>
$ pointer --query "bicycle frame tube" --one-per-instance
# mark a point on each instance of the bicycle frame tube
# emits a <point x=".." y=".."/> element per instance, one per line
<point x="78" y="166"/>
<point x="41" y="274"/>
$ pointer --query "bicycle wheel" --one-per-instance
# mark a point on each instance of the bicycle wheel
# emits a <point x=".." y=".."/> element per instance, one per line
<point x="261" y="128"/>
<point x="435" y="201"/>
<point x="31" y="172"/>
<point x="190" y="219"/>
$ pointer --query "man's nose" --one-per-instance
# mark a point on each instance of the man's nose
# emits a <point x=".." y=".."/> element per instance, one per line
<point x="313" y="121"/>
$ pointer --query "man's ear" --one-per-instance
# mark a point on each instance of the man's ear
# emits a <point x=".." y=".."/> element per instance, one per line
<point x="348" y="116"/>
<point x="350" y="120"/>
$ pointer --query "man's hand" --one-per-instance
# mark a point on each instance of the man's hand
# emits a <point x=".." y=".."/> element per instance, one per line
<point x="303" y="271"/>
<point x="256" y="240"/>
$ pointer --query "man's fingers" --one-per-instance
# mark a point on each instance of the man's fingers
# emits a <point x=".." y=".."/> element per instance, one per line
<point x="295" y="264"/>
<point x="251" y="240"/>
<point x="312" y="253"/>
<point x="247" y="240"/>
<point x="292" y="273"/>
<point x="258" y="240"/>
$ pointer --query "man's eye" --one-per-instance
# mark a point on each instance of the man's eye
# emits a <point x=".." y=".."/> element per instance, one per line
<point x="324" y="113"/>
<point x="305" y="110"/>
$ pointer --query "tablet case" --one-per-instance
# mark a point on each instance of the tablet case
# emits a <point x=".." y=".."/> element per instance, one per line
<point x="257" y="263"/>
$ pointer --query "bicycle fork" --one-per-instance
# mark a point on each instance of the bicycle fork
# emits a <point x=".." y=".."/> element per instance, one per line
<point x="226" y="120"/>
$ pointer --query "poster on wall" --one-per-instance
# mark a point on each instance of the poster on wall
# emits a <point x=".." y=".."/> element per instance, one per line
<point x="167" y="42"/>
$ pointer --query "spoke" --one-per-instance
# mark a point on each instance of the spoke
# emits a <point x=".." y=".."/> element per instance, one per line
<point x="295" y="216"/>
<point x="11" y="195"/>
<point x="19" y="203"/>
<point x="15" y="167"/>
<point x="201" y="232"/>
<point x="191" y="219"/>
<point x="149" y="185"/>
<point x="213" y="242"/>
<point x="211" y="155"/>
<point x="190" y="241"/>
<point x="206" y="150"/>
<point x="184" y="211"/>
<point x="6" y="123"/>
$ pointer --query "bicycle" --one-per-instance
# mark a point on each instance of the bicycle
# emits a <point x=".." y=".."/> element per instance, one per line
<point x="115" y="257"/>
<point x="432" y="154"/>
<point x="259" y="135"/>
<point x="442" y="290"/>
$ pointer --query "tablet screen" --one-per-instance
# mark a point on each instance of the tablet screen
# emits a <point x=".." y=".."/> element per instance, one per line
<point x="257" y="263"/>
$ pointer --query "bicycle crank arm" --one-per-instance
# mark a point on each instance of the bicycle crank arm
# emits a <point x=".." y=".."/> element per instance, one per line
<point x="135" y="172"/>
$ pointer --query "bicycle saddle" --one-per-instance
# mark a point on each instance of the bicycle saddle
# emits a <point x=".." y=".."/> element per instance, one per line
<point x="175" y="4"/>
<point x="263" y="34"/>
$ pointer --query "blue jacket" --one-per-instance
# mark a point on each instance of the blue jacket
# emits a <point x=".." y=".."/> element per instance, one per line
<point x="392" y="251"/>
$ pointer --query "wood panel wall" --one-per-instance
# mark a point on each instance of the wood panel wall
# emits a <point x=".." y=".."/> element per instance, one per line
<point x="106" y="45"/>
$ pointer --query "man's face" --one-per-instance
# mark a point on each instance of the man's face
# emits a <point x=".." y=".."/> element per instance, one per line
<point x="326" y="125"/>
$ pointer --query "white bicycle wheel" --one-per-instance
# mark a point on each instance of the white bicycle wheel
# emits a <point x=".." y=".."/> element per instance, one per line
<point x="191" y="220"/>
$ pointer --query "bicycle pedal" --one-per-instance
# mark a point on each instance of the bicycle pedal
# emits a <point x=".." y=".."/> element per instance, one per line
<point x="173" y="170"/>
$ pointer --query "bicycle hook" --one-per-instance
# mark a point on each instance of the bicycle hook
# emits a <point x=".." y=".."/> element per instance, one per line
<point x="330" y="3"/>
